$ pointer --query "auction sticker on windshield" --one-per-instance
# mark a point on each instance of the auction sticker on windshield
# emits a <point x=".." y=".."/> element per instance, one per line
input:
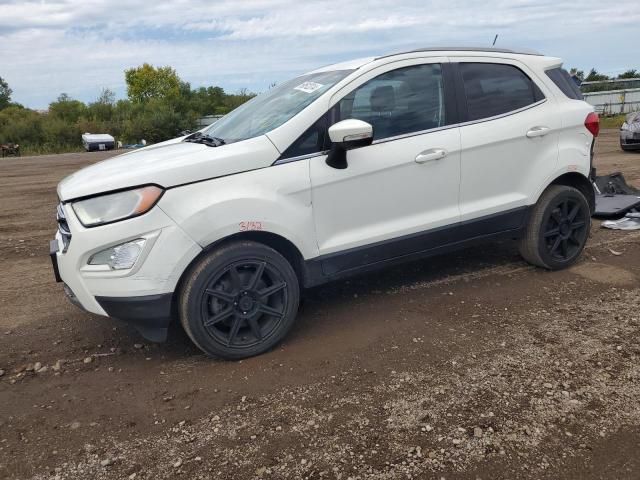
<point x="308" y="87"/>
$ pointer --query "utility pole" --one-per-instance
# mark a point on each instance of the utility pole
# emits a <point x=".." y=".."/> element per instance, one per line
<point x="494" y="40"/>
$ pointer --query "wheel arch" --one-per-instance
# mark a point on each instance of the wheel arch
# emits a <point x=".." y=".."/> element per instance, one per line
<point x="581" y="183"/>
<point x="280" y="244"/>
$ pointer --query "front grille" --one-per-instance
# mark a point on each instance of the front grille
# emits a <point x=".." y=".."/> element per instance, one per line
<point x="63" y="228"/>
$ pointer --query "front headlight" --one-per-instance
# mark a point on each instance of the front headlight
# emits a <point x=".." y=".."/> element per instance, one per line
<point x="624" y="126"/>
<point x="113" y="207"/>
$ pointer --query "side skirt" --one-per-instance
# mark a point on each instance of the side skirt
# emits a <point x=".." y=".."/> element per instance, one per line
<point x="326" y="268"/>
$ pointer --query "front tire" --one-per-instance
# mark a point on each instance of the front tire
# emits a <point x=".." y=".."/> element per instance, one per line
<point x="240" y="300"/>
<point x="557" y="229"/>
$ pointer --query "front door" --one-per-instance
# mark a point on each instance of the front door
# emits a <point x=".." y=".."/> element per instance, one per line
<point x="404" y="184"/>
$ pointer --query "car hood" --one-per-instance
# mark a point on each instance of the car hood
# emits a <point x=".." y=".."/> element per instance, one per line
<point x="168" y="164"/>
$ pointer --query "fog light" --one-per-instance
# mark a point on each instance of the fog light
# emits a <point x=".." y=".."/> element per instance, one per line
<point x="120" y="257"/>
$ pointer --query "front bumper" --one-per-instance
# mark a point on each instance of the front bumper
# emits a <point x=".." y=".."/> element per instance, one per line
<point x="150" y="314"/>
<point x="141" y="295"/>
<point x="630" y="140"/>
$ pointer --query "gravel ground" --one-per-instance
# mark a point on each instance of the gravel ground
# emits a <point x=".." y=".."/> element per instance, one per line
<point x="465" y="366"/>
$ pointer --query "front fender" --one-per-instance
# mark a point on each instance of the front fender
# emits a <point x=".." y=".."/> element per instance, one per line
<point x="274" y="199"/>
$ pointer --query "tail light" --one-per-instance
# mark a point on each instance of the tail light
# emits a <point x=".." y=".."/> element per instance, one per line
<point x="592" y="123"/>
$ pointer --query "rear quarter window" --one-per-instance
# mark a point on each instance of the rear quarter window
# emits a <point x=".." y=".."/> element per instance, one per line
<point x="565" y="83"/>
<point x="493" y="89"/>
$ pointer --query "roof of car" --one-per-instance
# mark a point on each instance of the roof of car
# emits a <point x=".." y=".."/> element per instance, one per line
<point x="491" y="51"/>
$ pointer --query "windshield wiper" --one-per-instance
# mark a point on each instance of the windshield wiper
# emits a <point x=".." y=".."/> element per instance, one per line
<point x="207" y="140"/>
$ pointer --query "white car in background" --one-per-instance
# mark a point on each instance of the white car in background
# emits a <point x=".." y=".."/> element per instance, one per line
<point x="345" y="169"/>
<point x="630" y="132"/>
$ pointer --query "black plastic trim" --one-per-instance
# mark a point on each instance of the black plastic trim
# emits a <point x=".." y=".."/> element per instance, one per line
<point x="509" y="224"/>
<point x="461" y="96"/>
<point x="54" y="247"/>
<point x="465" y="49"/>
<point x="452" y="111"/>
<point x="150" y="314"/>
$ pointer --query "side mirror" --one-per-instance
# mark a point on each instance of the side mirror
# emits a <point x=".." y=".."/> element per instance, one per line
<point x="347" y="135"/>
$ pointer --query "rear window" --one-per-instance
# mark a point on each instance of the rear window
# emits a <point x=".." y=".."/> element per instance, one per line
<point x="494" y="89"/>
<point x="564" y="82"/>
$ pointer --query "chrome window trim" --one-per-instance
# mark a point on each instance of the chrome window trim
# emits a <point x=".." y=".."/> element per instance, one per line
<point x="502" y="115"/>
<point x="421" y="132"/>
<point x="282" y="161"/>
<point x="414" y="134"/>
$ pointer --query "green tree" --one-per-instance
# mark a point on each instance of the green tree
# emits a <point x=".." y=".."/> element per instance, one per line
<point x="147" y="81"/>
<point x="5" y="94"/>
<point x="631" y="73"/>
<point x="67" y="109"/>
<point x="102" y="109"/>
<point x="594" y="76"/>
<point x="208" y="101"/>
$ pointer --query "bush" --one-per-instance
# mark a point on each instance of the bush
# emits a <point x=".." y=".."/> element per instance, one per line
<point x="144" y="116"/>
<point x="20" y="125"/>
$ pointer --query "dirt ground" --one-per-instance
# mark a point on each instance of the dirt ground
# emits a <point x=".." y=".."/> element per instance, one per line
<point x="465" y="366"/>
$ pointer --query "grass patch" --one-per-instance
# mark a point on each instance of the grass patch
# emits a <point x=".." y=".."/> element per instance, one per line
<point x="615" y="121"/>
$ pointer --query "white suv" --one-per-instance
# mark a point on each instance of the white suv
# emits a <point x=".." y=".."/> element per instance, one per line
<point x="348" y="168"/>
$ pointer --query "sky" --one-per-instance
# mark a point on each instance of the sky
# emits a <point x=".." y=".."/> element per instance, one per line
<point x="80" y="47"/>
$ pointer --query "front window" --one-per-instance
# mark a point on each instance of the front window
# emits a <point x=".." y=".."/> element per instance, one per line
<point x="274" y="107"/>
<point x="399" y="102"/>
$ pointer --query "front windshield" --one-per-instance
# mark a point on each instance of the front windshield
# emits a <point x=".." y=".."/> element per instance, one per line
<point x="271" y="109"/>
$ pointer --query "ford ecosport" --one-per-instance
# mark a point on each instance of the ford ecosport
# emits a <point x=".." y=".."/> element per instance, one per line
<point x="345" y="169"/>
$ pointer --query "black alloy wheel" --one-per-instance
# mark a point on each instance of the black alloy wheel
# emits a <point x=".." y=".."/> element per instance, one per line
<point x="239" y="300"/>
<point x="557" y="229"/>
<point x="244" y="303"/>
<point x="566" y="229"/>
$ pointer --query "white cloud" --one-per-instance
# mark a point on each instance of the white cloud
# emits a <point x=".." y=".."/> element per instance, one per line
<point x="79" y="47"/>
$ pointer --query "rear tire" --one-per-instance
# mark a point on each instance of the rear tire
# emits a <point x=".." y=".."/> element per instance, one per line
<point x="240" y="300"/>
<point x="558" y="228"/>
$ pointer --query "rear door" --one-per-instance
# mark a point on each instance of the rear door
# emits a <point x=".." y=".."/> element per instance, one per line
<point x="509" y="141"/>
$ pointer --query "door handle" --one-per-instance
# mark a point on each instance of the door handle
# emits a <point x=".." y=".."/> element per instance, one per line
<point x="537" y="132"/>
<point x="431" y="155"/>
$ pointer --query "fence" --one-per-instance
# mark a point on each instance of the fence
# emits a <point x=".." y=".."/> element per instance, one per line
<point x="614" y="102"/>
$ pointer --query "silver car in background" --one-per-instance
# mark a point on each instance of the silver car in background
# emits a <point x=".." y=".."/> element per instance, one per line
<point x="630" y="132"/>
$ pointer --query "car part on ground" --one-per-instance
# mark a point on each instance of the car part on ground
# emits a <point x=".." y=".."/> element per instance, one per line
<point x="614" y="196"/>
<point x="614" y="183"/>
<point x="631" y="221"/>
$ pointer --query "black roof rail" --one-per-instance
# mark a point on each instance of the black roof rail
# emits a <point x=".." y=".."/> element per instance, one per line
<point x="466" y="49"/>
